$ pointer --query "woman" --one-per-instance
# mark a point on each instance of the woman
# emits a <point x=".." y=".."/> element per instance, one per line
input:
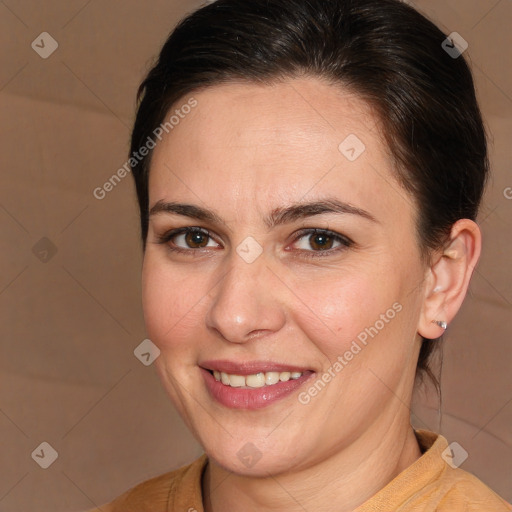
<point x="309" y="175"/>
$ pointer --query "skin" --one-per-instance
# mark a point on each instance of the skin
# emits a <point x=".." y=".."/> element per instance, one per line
<point x="247" y="150"/>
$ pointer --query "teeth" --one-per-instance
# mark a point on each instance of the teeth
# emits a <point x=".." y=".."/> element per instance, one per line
<point x="257" y="380"/>
<point x="271" y="378"/>
<point x="254" y="381"/>
<point x="236" y="381"/>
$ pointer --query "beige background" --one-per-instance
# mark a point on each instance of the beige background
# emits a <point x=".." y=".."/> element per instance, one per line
<point x="69" y="325"/>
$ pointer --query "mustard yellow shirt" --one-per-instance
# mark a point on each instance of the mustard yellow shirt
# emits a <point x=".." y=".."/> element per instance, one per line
<point x="428" y="485"/>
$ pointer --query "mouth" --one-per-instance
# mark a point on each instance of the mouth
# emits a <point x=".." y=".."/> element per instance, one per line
<point x="255" y="380"/>
<point x="251" y="385"/>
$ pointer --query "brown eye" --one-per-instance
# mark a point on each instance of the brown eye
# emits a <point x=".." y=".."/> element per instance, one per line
<point x="187" y="239"/>
<point x="196" y="239"/>
<point x="321" y="241"/>
<point x="317" y="241"/>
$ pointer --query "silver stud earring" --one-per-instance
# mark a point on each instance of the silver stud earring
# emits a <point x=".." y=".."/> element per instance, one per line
<point x="440" y="323"/>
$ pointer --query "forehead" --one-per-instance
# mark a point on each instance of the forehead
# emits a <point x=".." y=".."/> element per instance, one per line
<point x="290" y="139"/>
<point x="289" y="113"/>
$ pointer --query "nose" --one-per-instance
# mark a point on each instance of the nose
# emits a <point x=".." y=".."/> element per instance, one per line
<point x="247" y="303"/>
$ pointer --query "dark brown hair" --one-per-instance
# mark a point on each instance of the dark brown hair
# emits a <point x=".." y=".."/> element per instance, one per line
<point x="383" y="50"/>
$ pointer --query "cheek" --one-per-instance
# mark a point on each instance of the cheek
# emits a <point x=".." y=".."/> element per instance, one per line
<point x="171" y="302"/>
<point x="341" y="307"/>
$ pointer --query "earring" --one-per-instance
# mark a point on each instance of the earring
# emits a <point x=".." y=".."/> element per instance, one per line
<point x="440" y="323"/>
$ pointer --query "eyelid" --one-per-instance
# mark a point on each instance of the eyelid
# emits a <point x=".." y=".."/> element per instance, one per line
<point x="168" y="235"/>
<point x="345" y="242"/>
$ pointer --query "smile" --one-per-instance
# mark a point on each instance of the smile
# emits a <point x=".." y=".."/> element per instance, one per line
<point x="252" y="385"/>
<point x="256" y="380"/>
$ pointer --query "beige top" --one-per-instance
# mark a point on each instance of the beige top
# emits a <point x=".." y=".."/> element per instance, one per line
<point x="428" y="485"/>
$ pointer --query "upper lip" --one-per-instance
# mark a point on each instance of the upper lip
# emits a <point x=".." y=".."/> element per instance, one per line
<point x="249" y="367"/>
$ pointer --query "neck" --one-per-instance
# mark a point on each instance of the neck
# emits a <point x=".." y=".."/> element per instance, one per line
<point x="348" y="478"/>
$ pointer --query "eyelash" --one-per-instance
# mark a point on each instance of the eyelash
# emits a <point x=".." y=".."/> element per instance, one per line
<point x="345" y="242"/>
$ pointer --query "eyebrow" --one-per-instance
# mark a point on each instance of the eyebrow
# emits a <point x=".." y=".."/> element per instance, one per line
<point x="278" y="216"/>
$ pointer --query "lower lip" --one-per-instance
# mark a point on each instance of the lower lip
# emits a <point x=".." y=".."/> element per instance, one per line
<point x="238" y="398"/>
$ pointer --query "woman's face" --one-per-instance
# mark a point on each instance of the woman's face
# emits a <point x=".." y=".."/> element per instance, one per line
<point x="316" y="331"/>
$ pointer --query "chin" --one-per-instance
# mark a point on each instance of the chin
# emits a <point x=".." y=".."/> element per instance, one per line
<point x="251" y="462"/>
<point x="251" y="455"/>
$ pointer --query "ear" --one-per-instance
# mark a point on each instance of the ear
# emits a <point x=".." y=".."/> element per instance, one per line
<point x="448" y="277"/>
